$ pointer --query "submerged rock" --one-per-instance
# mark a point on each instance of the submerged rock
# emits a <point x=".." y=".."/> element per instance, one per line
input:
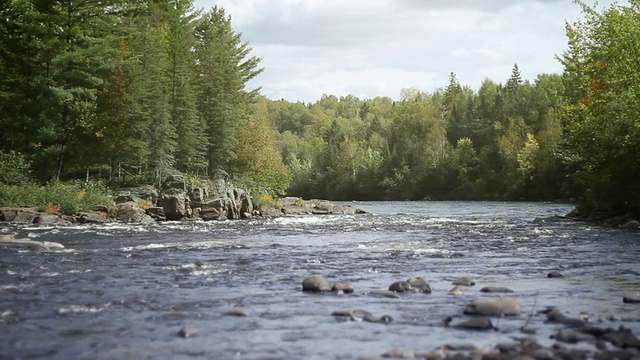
<point x="554" y="274"/>
<point x="481" y="323"/>
<point x="9" y="240"/>
<point x="237" y="311"/>
<point x="555" y="316"/>
<point x="187" y="331"/>
<point x="495" y="289"/>
<point x="315" y="283"/>
<point x="463" y="281"/>
<point x="361" y="315"/>
<point x="385" y="293"/>
<point x="496" y="307"/>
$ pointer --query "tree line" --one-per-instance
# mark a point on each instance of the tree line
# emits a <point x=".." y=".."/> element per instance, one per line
<point x="122" y="89"/>
<point x="133" y="90"/>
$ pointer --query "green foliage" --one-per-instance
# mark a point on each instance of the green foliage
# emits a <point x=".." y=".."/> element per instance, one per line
<point x="14" y="168"/>
<point x="69" y="198"/>
<point x="602" y="117"/>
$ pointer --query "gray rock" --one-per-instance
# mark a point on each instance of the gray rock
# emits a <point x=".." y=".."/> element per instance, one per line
<point x="130" y="212"/>
<point x="175" y="206"/>
<point x="315" y="283"/>
<point x="92" y="218"/>
<point x="573" y="337"/>
<point x="400" y="287"/>
<point x="385" y="293"/>
<point x="173" y="184"/>
<point x="555" y="316"/>
<point x="480" y="323"/>
<point x="9" y="240"/>
<point x="237" y="311"/>
<point x="418" y="282"/>
<point x="187" y="331"/>
<point x="631" y="298"/>
<point x="463" y="281"/>
<point x="633" y="224"/>
<point x="18" y="215"/>
<point x="493" y="306"/>
<point x="49" y="219"/>
<point x="344" y="286"/>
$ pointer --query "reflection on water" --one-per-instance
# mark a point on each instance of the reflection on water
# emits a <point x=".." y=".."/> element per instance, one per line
<point x="108" y="294"/>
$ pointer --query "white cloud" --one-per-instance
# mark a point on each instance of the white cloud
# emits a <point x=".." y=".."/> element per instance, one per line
<point x="371" y="48"/>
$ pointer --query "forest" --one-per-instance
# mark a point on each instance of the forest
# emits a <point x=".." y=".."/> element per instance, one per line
<point x="129" y="91"/>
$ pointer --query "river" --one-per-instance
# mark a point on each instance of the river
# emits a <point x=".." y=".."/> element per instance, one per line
<point x="123" y="291"/>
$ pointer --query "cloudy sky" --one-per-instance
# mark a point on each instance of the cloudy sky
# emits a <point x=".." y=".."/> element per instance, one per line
<point x="371" y="48"/>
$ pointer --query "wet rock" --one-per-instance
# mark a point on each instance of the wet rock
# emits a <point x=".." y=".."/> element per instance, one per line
<point x="399" y="354"/>
<point x="385" y="293"/>
<point x="495" y="289"/>
<point x="631" y="298"/>
<point x="9" y="240"/>
<point x="187" y="331"/>
<point x="315" y="283"/>
<point x="555" y="316"/>
<point x="480" y="323"/>
<point x="633" y="224"/>
<point x="175" y="315"/>
<point x="463" y="281"/>
<point x="573" y="337"/>
<point x="343" y="286"/>
<point x="554" y="274"/>
<point x="459" y="347"/>
<point x="622" y="338"/>
<point x="361" y="315"/>
<point x="237" y="311"/>
<point x="456" y="291"/>
<point x="400" y="287"/>
<point x="418" y="282"/>
<point x="497" y="307"/>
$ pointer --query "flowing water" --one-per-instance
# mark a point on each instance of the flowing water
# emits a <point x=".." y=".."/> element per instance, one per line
<point x="123" y="291"/>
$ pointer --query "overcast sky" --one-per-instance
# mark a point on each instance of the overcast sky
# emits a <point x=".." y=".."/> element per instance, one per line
<point x="371" y="48"/>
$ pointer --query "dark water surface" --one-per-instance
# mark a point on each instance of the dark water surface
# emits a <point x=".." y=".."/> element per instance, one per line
<point x="107" y="295"/>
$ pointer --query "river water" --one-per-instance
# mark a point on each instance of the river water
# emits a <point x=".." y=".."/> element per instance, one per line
<point x="123" y="291"/>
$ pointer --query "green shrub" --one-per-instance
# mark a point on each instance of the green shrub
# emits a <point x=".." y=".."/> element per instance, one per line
<point x="67" y="197"/>
<point x="14" y="168"/>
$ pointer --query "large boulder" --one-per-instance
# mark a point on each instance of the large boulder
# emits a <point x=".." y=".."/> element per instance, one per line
<point x="130" y="212"/>
<point x="173" y="184"/>
<point x="176" y="206"/>
<point x="18" y="215"/>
